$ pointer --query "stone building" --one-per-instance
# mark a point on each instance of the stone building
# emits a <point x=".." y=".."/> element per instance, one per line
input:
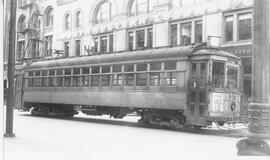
<point x="67" y="28"/>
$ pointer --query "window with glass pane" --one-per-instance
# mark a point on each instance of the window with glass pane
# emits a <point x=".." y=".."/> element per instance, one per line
<point x="247" y="68"/>
<point x="110" y="43"/>
<point x="30" y="82"/>
<point x="185" y="33"/>
<point x="21" y="48"/>
<point x="66" y="49"/>
<point x="228" y="28"/>
<point x="51" y="82"/>
<point x="154" y="79"/>
<point x="141" y="79"/>
<point x="78" y="47"/>
<point x="232" y="78"/>
<point x="106" y="69"/>
<point x="49" y="17"/>
<point x="79" y="19"/>
<point x="129" y="79"/>
<point x="117" y="68"/>
<point x="67" y="81"/>
<point x="105" y="80"/>
<point x="67" y="21"/>
<point x="142" y="6"/>
<point x="48" y="45"/>
<point x="95" y="80"/>
<point x="140" y="38"/>
<point x="244" y="26"/>
<point x="117" y="79"/>
<point x="85" y="80"/>
<point x="133" y="9"/>
<point x="170" y="78"/>
<point x="37" y="82"/>
<point x="85" y="70"/>
<point x="173" y="34"/>
<point x="59" y="72"/>
<point x="59" y="81"/>
<point x="198" y="32"/>
<point x="247" y="86"/>
<point x="76" y="81"/>
<point x="37" y="73"/>
<point x="150" y="38"/>
<point x="142" y="67"/>
<point x="155" y="66"/>
<point x="96" y="45"/>
<point x="76" y="71"/>
<point x="104" y="12"/>
<point x="95" y="70"/>
<point x="103" y="44"/>
<point x="44" y="82"/>
<point x="218" y="75"/>
<point x="129" y="68"/>
<point x="170" y="65"/>
<point x="67" y="71"/>
<point x="130" y="40"/>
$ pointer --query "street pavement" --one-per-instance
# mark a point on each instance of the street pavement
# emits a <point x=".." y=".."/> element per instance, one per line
<point x="101" y="138"/>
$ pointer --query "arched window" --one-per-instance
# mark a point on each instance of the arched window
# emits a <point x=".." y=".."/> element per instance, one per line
<point x="137" y="7"/>
<point x="67" y="21"/>
<point x="104" y="12"/>
<point x="78" y="19"/>
<point x="21" y="23"/>
<point x="49" y="17"/>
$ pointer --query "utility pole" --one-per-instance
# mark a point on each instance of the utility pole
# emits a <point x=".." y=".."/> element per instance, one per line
<point x="11" y="70"/>
<point x="259" y="118"/>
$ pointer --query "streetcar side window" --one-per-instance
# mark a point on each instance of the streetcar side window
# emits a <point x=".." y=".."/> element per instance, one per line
<point x="169" y="75"/>
<point x="232" y="78"/>
<point x="218" y="78"/>
<point x="117" y="79"/>
<point x="129" y="75"/>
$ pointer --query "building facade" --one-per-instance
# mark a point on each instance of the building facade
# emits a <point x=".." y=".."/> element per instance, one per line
<point x="50" y="29"/>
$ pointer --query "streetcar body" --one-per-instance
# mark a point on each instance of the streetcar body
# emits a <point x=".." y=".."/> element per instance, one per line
<point x="168" y="86"/>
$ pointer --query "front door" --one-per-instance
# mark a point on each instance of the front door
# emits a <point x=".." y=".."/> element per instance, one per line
<point x="197" y="108"/>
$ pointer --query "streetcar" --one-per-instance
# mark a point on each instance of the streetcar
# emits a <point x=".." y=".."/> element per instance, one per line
<point x="169" y="86"/>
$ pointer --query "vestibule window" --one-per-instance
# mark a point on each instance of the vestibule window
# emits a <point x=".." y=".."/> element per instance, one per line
<point x="143" y="38"/>
<point x="104" y="43"/>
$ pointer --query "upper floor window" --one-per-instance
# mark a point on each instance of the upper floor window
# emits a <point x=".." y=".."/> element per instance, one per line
<point x="184" y="33"/>
<point x="228" y="28"/>
<point x="67" y="21"/>
<point x="237" y="26"/>
<point x="49" y="17"/>
<point x="21" y="23"/>
<point x="104" y="12"/>
<point x="104" y="43"/>
<point x="143" y="38"/>
<point x="244" y="26"/>
<point x="79" y="19"/>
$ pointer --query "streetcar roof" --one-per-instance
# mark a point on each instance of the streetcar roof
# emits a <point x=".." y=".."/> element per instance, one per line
<point x="160" y="53"/>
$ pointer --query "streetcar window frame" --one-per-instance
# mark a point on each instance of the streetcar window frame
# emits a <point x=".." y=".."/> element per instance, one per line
<point x="219" y="81"/>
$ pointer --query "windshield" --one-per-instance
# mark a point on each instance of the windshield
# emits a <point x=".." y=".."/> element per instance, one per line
<point x="232" y="78"/>
<point x="218" y="78"/>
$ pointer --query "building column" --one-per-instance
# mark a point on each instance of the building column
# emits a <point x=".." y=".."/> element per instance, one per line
<point x="259" y="121"/>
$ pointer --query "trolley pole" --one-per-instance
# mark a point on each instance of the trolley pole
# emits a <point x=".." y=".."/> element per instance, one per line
<point x="11" y="68"/>
<point x="256" y="142"/>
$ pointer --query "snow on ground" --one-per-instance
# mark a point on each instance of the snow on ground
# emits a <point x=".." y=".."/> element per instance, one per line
<point x="101" y="138"/>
